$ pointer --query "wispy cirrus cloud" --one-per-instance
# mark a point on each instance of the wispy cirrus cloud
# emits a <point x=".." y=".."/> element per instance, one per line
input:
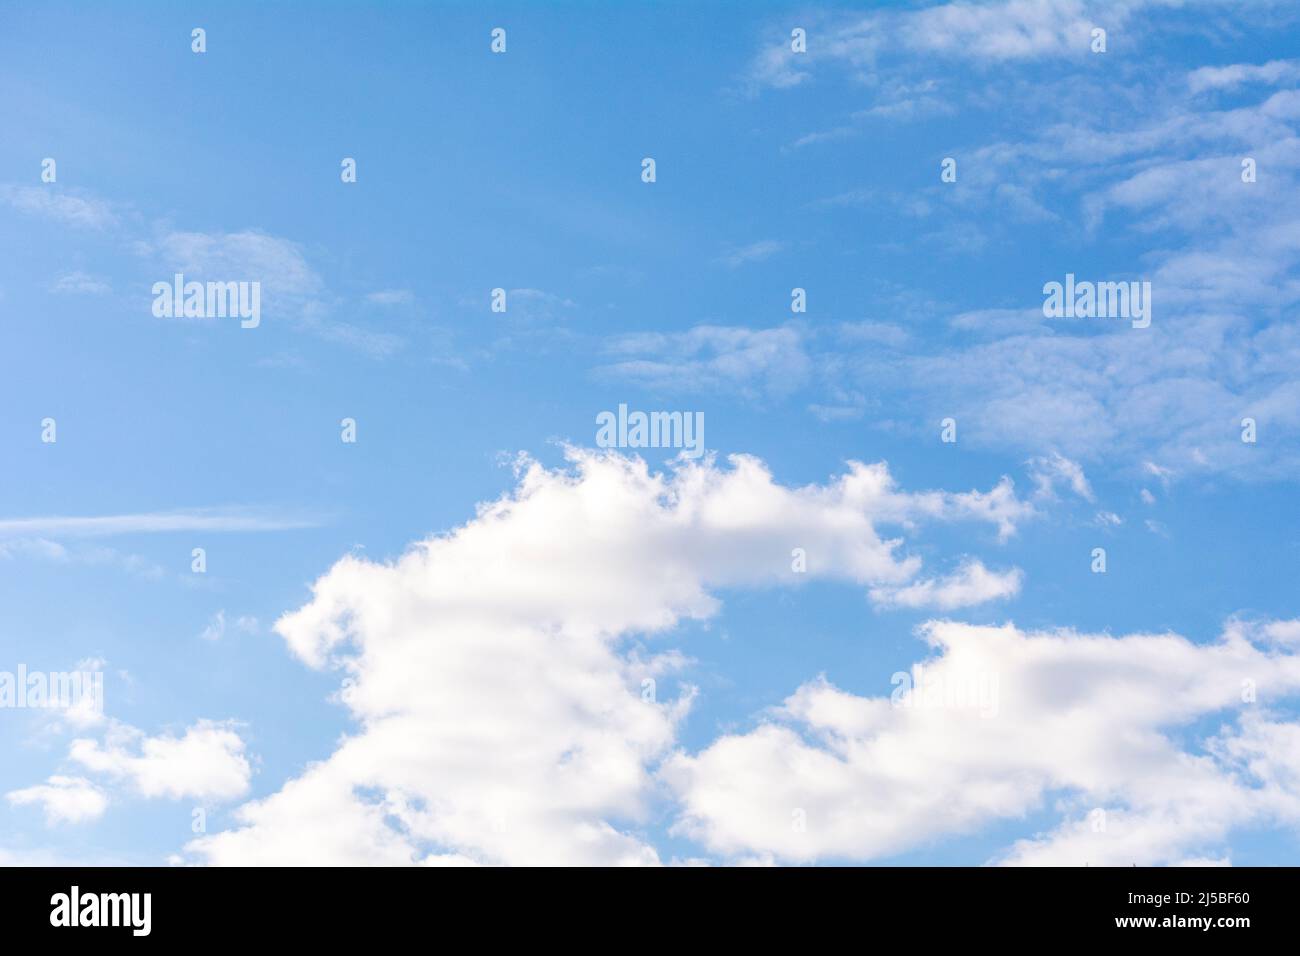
<point x="292" y="287"/>
<point x="52" y="202"/>
<point x="750" y="362"/>
<point x="158" y="522"/>
<point x="753" y="252"/>
<point x="1218" y="246"/>
<point x="999" y="32"/>
<point x="80" y="283"/>
<point x="391" y="297"/>
<point x="43" y="549"/>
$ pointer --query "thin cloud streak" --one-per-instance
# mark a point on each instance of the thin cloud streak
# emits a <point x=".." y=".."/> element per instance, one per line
<point x="160" y="522"/>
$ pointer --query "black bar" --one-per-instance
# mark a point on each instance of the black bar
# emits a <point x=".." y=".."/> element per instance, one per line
<point x="212" y="906"/>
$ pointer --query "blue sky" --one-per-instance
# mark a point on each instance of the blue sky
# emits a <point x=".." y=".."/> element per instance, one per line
<point x="499" y="714"/>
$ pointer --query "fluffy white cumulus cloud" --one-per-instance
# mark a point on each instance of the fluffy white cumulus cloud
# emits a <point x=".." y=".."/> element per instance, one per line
<point x="206" y="762"/>
<point x="1001" y="723"/>
<point x="504" y="706"/>
<point x="64" y="799"/>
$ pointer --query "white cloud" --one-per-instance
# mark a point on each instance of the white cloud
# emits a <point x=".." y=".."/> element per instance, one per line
<point x="999" y="505"/>
<point x="160" y="522"/>
<point x="1078" y="722"/>
<point x="277" y="263"/>
<point x="1284" y="632"/>
<point x="43" y="549"/>
<point x="1010" y="30"/>
<point x="754" y="252"/>
<point x="833" y="135"/>
<point x="777" y="67"/>
<point x="751" y="362"/>
<point x="1271" y="73"/>
<point x="1165" y="475"/>
<point x="529" y="307"/>
<point x="970" y="584"/>
<point x="321" y="818"/>
<point x="997" y="32"/>
<point x="391" y="297"/>
<point x="80" y="283"/>
<point x="906" y="108"/>
<point x="1047" y="471"/>
<point x="1223" y="275"/>
<point x="290" y="286"/>
<point x="39" y="548"/>
<point x="1251" y="775"/>
<point x="852" y="197"/>
<point x="64" y="799"/>
<point x="53" y="202"/>
<point x="207" y="762"/>
<point x="1222" y="255"/>
<point x="215" y="629"/>
<point x="513" y="637"/>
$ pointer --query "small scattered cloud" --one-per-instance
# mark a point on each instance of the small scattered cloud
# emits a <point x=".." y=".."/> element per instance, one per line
<point x="751" y="362"/>
<point x="290" y="285"/>
<point x="58" y="205"/>
<point x="391" y="297"/>
<point x="80" y="283"/>
<point x="1049" y="471"/>
<point x="860" y="196"/>
<point x="215" y="629"/>
<point x="208" y="761"/>
<point x="754" y="252"/>
<point x="970" y="584"/>
<point x="43" y="549"/>
<point x="1272" y="73"/>
<point x="64" y="800"/>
